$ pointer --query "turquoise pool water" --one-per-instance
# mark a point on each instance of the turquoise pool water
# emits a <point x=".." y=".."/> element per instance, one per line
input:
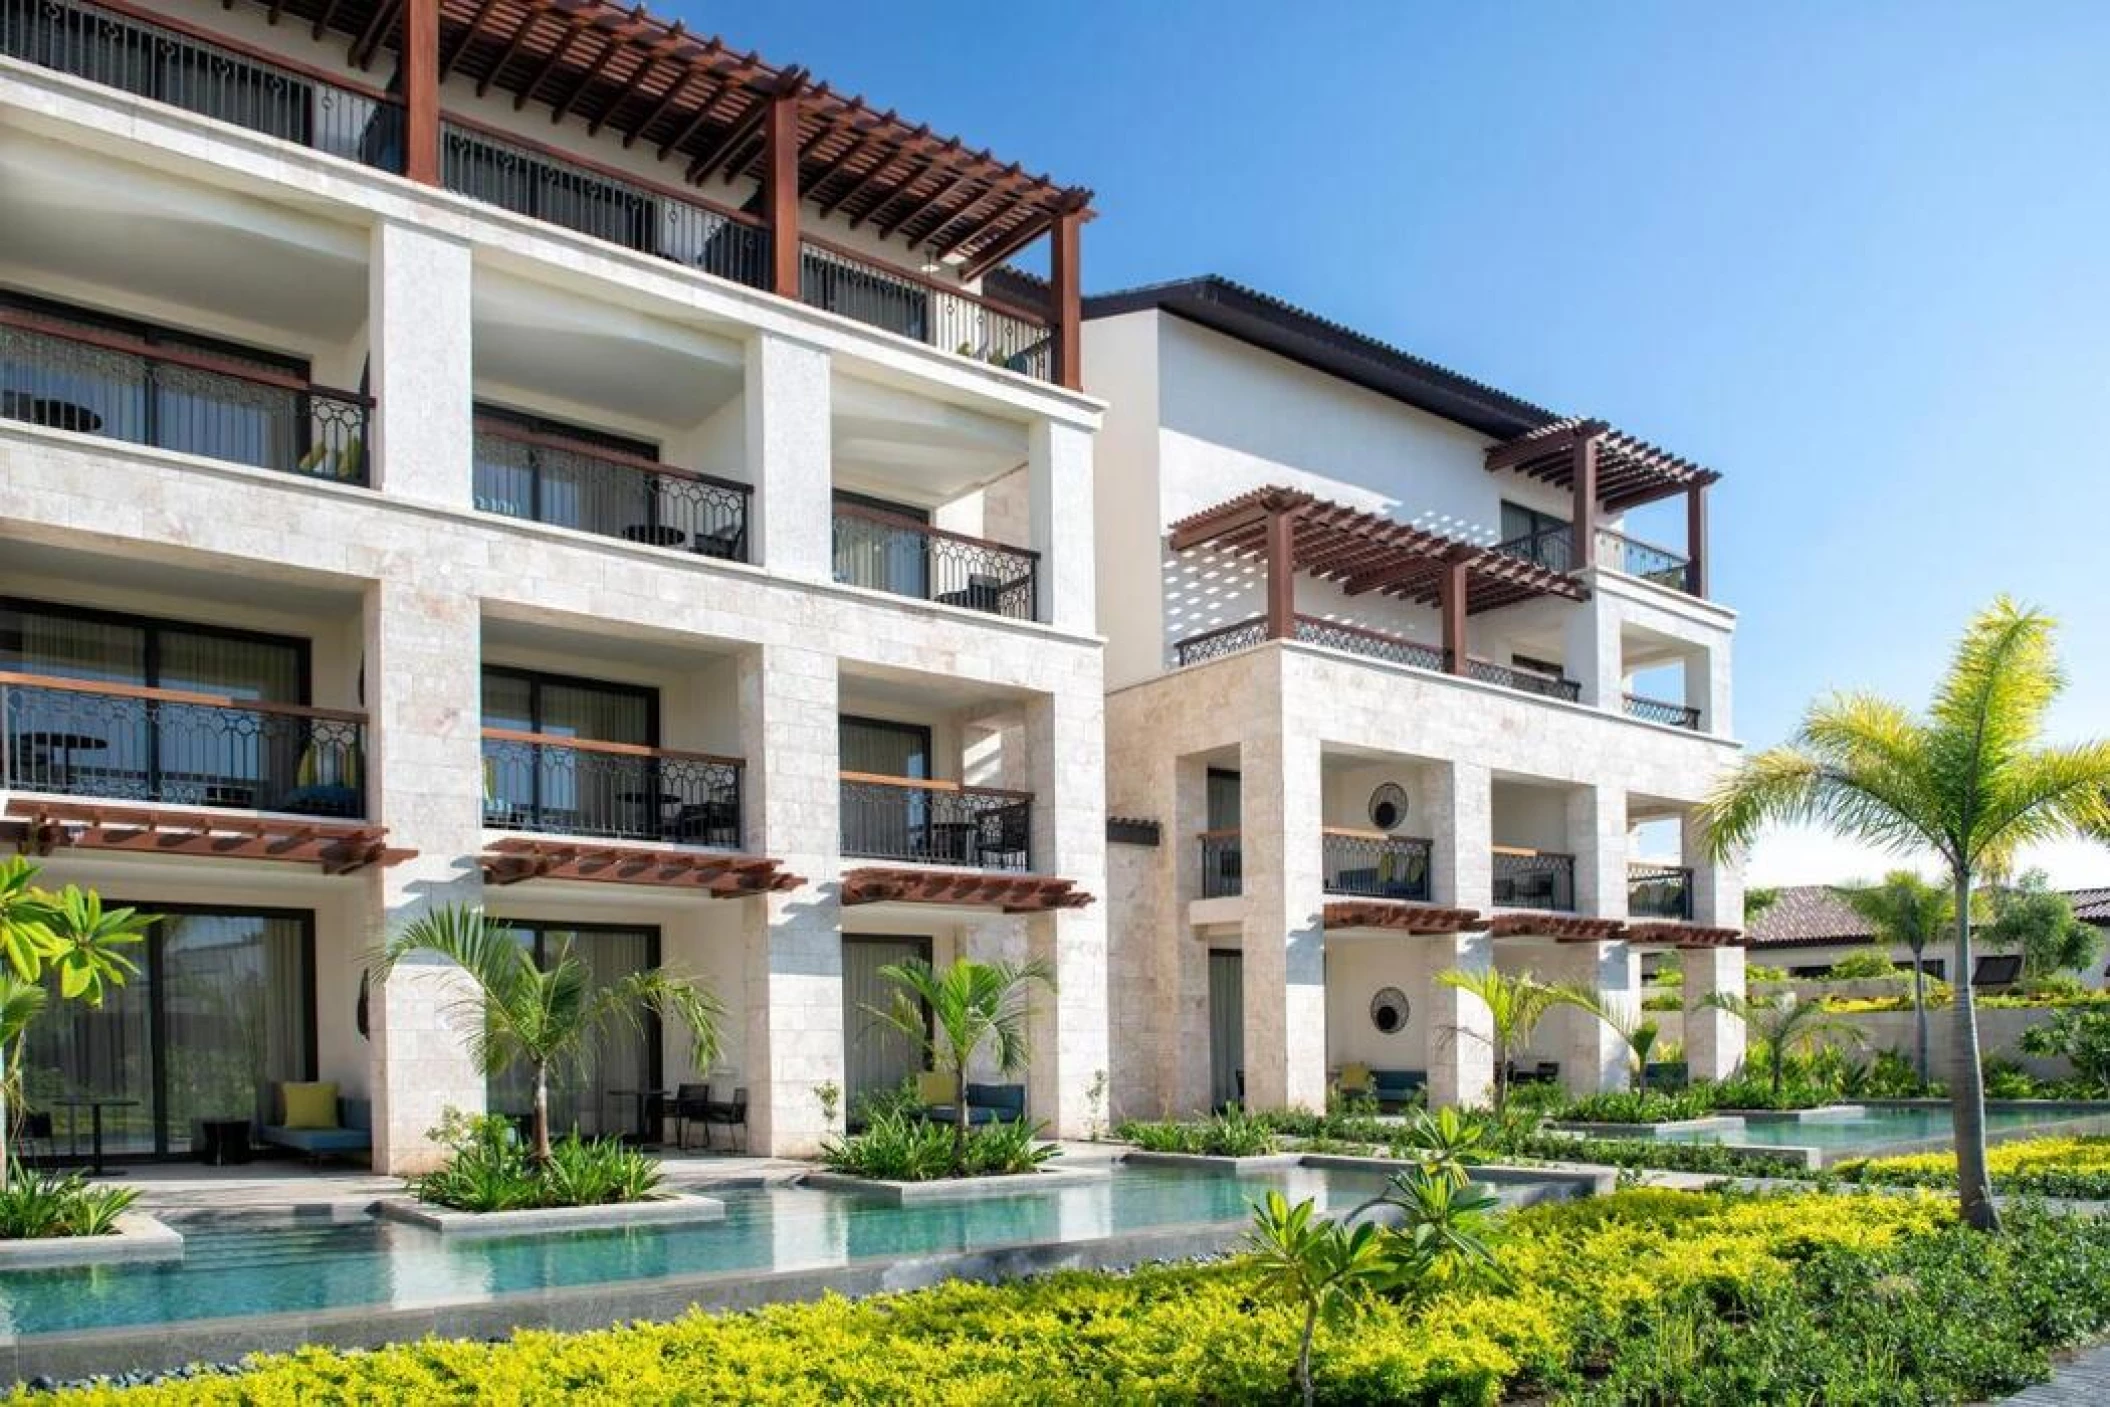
<point x="234" y="1266"/>
<point x="1868" y="1130"/>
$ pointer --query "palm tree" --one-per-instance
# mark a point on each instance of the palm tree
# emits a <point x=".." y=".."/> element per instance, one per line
<point x="1638" y="1030"/>
<point x="952" y="1015"/>
<point x="1907" y="909"/>
<point x="545" y="1017"/>
<point x="1970" y="780"/>
<point x="1516" y="1004"/>
<point x="1782" y="1025"/>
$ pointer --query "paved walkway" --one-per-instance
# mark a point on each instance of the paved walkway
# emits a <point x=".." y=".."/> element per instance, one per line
<point x="2084" y="1382"/>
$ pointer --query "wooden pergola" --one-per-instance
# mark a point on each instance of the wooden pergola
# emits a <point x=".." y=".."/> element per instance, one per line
<point x="335" y="847"/>
<point x="1568" y="928"/>
<point x="715" y="873"/>
<point x="1292" y="531"/>
<point x="1011" y="893"/>
<point x="1395" y="916"/>
<point x="720" y="115"/>
<point x="1607" y="470"/>
<point x="1671" y="934"/>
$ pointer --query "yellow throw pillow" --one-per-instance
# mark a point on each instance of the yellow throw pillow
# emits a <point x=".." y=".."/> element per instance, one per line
<point x="934" y="1087"/>
<point x="1355" y="1077"/>
<point x="311" y="1106"/>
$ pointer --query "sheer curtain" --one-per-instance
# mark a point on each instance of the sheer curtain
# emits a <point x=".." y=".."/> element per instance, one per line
<point x="234" y="993"/>
<point x="582" y="1097"/>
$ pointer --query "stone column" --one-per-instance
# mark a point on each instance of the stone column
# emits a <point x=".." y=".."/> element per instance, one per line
<point x="1714" y="1039"/>
<point x="1066" y="741"/>
<point x="1707" y="686"/>
<point x="1461" y="1032"/>
<point x="424" y="782"/>
<point x="1594" y="657"/>
<point x="1285" y="930"/>
<point x="1717" y="885"/>
<point x="1184" y="1054"/>
<point x="790" y="456"/>
<point x="1059" y="471"/>
<point x="1461" y="825"/>
<point x="793" y="1005"/>
<point x="1593" y="1056"/>
<point x="419" y="342"/>
<point x="1597" y="835"/>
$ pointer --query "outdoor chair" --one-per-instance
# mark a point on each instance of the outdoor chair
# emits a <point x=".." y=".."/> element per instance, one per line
<point x="730" y="1116"/>
<point x="690" y="1101"/>
<point x="1006" y="835"/>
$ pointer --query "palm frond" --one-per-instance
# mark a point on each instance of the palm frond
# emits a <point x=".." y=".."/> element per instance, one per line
<point x="2002" y="679"/>
<point x="2045" y="794"/>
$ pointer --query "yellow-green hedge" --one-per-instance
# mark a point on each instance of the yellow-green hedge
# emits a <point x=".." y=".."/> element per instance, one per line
<point x="2049" y="1167"/>
<point x="1160" y="1335"/>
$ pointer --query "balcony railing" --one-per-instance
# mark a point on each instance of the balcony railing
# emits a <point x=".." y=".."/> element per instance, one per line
<point x="1677" y="715"/>
<point x="524" y="473"/>
<point x="1223" y="640"/>
<point x="162" y="58"/>
<point x="124" y="742"/>
<point x="1534" y="879"/>
<point x="1659" y="891"/>
<point x="1223" y="865"/>
<point x="1529" y="681"/>
<point x="924" y="310"/>
<point x="1376" y="644"/>
<point x="1360" y="640"/>
<point x="1552" y="548"/>
<point x="935" y="822"/>
<point x="97" y="381"/>
<point x="1374" y="865"/>
<point x="888" y="552"/>
<point x="615" y="791"/>
<point x="1643" y="559"/>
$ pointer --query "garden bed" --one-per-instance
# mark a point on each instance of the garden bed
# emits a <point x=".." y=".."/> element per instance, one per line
<point x="525" y="1221"/>
<point x="137" y="1237"/>
<point x="955" y="1189"/>
<point x="1230" y="1166"/>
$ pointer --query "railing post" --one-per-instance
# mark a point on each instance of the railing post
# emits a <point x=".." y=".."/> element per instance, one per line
<point x="1452" y="591"/>
<point x="421" y="90"/>
<point x="1281" y="575"/>
<point x="1696" y="540"/>
<point x="1584" y="518"/>
<point x="781" y="181"/>
<point x="1068" y="302"/>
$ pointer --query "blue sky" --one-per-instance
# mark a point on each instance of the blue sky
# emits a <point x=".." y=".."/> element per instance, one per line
<point x="1855" y="256"/>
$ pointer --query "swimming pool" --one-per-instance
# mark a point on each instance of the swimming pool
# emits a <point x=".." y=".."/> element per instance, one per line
<point x="240" y="1266"/>
<point x="1876" y="1128"/>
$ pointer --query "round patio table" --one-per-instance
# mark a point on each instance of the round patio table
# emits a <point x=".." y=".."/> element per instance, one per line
<point x="95" y="1104"/>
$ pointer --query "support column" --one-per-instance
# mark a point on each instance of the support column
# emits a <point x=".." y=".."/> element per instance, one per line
<point x="1597" y="834"/>
<point x="1707" y="685"/>
<point x="793" y="1005"/>
<point x="1717" y="886"/>
<point x="1461" y="831"/>
<point x="1583" y="515"/>
<point x="1284" y="930"/>
<point x="424" y="780"/>
<point x="1714" y="1039"/>
<point x="421" y="90"/>
<point x="1183" y="1035"/>
<point x="1595" y="657"/>
<point x="790" y="456"/>
<point x="780" y="183"/>
<point x="1059" y="478"/>
<point x="1593" y="1057"/>
<point x="1453" y="589"/>
<point x="1068" y="310"/>
<point x="1696" y="540"/>
<point x="1068" y="1033"/>
<point x="419" y="345"/>
<point x="1281" y="576"/>
<point x="1461" y="1031"/>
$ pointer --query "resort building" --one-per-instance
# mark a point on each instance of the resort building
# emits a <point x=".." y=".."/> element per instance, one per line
<point x="528" y="454"/>
<point x="1809" y="927"/>
<point x="1392" y="689"/>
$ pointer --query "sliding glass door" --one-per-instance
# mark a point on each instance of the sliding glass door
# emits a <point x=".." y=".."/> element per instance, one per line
<point x="597" y="1097"/>
<point x="578" y="791"/>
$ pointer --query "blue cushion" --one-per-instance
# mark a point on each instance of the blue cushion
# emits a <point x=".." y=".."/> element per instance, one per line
<point x="1009" y="1099"/>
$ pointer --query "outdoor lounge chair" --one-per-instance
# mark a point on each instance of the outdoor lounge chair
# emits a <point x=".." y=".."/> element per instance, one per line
<point x="353" y="1135"/>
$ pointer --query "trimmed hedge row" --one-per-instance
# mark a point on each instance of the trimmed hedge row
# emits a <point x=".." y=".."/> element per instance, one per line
<point x="2036" y="1167"/>
<point x="1644" y="1296"/>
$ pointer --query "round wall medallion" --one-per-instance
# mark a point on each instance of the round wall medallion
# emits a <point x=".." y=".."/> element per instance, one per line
<point x="1389" y="1010"/>
<point x="1388" y="806"/>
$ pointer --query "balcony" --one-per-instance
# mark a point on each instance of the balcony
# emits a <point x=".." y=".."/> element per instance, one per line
<point x="524" y="470"/>
<point x="614" y="791"/>
<point x="888" y="552"/>
<point x="211" y="75"/>
<point x="948" y="317"/>
<point x="1659" y="891"/>
<point x="98" y="380"/>
<point x="1534" y="879"/>
<point x="67" y="737"/>
<point x="1551" y="548"/>
<point x="1676" y="715"/>
<point x="1645" y="560"/>
<point x="1223" y="866"/>
<point x="1373" y="644"/>
<point x="925" y="821"/>
<point x="1376" y="865"/>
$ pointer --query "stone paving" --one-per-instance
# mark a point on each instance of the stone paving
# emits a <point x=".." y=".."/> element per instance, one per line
<point x="2083" y="1381"/>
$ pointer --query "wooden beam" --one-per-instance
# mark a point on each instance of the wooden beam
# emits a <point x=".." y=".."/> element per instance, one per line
<point x="549" y="65"/>
<point x="879" y="168"/>
<point x="1281" y="575"/>
<point x="780" y="183"/>
<point x="421" y="91"/>
<point x="461" y="45"/>
<point x="1068" y="309"/>
<point x="736" y="136"/>
<point x="586" y="80"/>
<point x="1583" y="520"/>
<point x="1452" y="590"/>
<point x="534" y="12"/>
<point x="361" y="55"/>
<point x="1696" y="540"/>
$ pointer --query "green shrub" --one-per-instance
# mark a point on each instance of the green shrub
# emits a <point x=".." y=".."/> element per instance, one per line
<point x="1627" y="1107"/>
<point x="2082" y="1036"/>
<point x="489" y="1169"/>
<point x="2036" y="1167"/>
<point x="40" y="1204"/>
<point x="896" y="1147"/>
<point x="1663" y="1001"/>
<point x="1231" y="1134"/>
<point x="876" y="1104"/>
<point x="1867" y="962"/>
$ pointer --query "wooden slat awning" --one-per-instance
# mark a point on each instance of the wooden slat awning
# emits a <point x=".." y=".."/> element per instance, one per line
<point x="337" y="847"/>
<point x="1569" y="928"/>
<point x="720" y="874"/>
<point x="1363" y="551"/>
<point x="1630" y="471"/>
<point x="1396" y="916"/>
<point x="1012" y="893"/>
<point x="1684" y="935"/>
<point x="700" y="106"/>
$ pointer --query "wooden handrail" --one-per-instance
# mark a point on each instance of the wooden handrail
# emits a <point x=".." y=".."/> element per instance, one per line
<point x="668" y="754"/>
<point x="172" y="356"/>
<point x="591" y="167"/>
<point x="1225" y="833"/>
<point x="506" y="430"/>
<point x="1354" y="833"/>
<point x="1529" y="854"/>
<point x="240" y="48"/>
<point x="1039" y="319"/>
<point x="896" y="520"/>
<point x="177" y="696"/>
<point x="1210" y="634"/>
<point x="880" y="779"/>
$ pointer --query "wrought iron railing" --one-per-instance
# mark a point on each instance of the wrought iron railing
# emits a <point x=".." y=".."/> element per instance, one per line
<point x="1643" y="559"/>
<point x="1534" y="879"/>
<point x="162" y="58"/>
<point x="618" y="791"/>
<point x="1552" y="548"/>
<point x="936" y="823"/>
<point x="98" y="381"/>
<point x="1223" y="640"/>
<point x="924" y="310"/>
<point x="1223" y="865"/>
<point x="1528" y="681"/>
<point x="1374" y="865"/>
<point x="1677" y="715"/>
<point x="891" y="553"/>
<point x="1359" y="640"/>
<point x="1659" y="891"/>
<point x="524" y="473"/>
<point x="560" y="189"/>
<point x="128" y="743"/>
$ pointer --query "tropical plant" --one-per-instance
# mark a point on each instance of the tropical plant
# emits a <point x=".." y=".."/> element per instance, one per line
<point x="1867" y="962"/>
<point x="955" y="1015"/>
<point x="1230" y="1134"/>
<point x="2035" y="920"/>
<point x="829" y="1095"/>
<point x="1637" y="1031"/>
<point x="1782" y="1024"/>
<point x="2081" y="1035"/>
<point x="489" y="1169"/>
<point x="39" y="1204"/>
<point x="1907" y="909"/>
<point x="547" y="1018"/>
<point x="905" y="1147"/>
<point x="1320" y="1267"/>
<point x="1516" y="1004"/>
<point x="1969" y="779"/>
<point x="1445" y="1143"/>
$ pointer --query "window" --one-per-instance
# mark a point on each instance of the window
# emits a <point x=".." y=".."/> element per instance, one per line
<point x="550" y="483"/>
<point x="1536" y="536"/>
<point x="877" y="819"/>
<point x="882" y="555"/>
<point x="538" y="786"/>
<point x="597" y="1096"/>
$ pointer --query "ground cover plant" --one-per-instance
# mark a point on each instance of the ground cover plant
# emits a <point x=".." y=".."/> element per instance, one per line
<point x="1640" y="1297"/>
<point x="1230" y="1134"/>
<point x="898" y="1147"/>
<point x="38" y="1204"/>
<point x="490" y="1168"/>
<point x="2040" y="1167"/>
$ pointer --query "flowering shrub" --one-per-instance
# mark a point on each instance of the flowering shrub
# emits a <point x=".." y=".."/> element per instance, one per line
<point x="2044" y="1167"/>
